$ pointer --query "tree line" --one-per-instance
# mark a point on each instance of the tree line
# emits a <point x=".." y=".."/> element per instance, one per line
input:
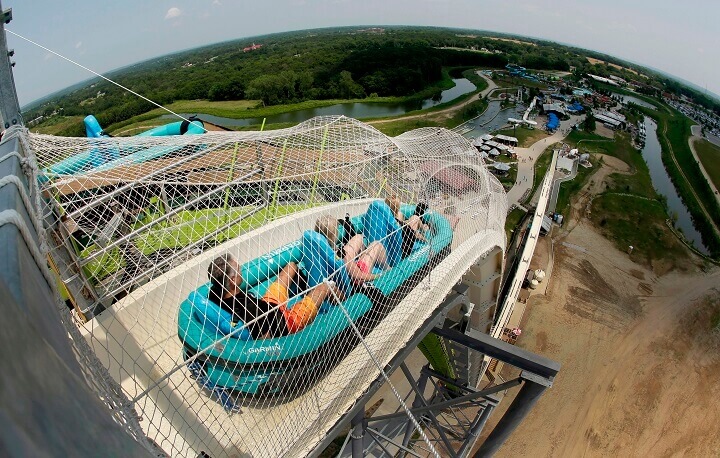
<point x="292" y="67"/>
<point x="344" y="63"/>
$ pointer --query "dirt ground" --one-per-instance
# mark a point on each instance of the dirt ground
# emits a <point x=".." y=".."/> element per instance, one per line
<point x="595" y="185"/>
<point x="603" y="131"/>
<point x="640" y="369"/>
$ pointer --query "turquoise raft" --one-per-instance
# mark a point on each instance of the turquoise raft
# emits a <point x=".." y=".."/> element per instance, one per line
<point x="287" y="366"/>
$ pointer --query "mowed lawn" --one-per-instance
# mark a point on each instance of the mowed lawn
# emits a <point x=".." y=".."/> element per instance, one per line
<point x="526" y="137"/>
<point x="709" y="155"/>
<point x="56" y="124"/>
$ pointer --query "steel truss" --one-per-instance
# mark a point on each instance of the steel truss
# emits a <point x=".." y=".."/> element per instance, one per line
<point x="451" y="413"/>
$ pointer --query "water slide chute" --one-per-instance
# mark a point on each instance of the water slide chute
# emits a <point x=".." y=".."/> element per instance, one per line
<point x="106" y="158"/>
<point x="191" y="127"/>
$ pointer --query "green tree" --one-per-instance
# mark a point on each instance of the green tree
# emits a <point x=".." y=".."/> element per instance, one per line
<point x="348" y="88"/>
<point x="268" y="88"/>
<point x="589" y="123"/>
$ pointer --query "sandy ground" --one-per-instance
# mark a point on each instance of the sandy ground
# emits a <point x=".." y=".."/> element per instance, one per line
<point x="640" y="367"/>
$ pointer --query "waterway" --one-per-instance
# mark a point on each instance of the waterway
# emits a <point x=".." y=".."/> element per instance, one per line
<point x="652" y="154"/>
<point x="492" y="119"/>
<point x="635" y="100"/>
<point x="357" y="110"/>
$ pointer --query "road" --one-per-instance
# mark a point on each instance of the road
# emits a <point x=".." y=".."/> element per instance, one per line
<point x="528" y="156"/>
<point x="691" y="143"/>
<point x="692" y="188"/>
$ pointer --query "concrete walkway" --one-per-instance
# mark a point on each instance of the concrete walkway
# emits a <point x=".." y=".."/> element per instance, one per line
<point x="528" y="156"/>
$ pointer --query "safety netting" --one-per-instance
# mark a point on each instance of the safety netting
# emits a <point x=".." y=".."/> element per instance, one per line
<point x="243" y="289"/>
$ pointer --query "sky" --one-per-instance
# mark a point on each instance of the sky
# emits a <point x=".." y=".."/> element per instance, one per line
<point x="676" y="37"/>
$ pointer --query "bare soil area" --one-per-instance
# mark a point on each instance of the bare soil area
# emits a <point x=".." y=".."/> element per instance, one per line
<point x="640" y="359"/>
<point x="596" y="184"/>
<point x="604" y="131"/>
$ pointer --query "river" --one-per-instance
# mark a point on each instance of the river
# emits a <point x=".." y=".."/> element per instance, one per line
<point x="652" y="154"/>
<point x="635" y="100"/>
<point x="492" y="119"/>
<point x="357" y="110"/>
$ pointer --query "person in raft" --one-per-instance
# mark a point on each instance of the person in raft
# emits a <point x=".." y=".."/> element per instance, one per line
<point x="412" y="227"/>
<point x="359" y="259"/>
<point x="276" y="320"/>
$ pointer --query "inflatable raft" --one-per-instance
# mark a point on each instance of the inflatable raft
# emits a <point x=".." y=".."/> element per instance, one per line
<point x="226" y="356"/>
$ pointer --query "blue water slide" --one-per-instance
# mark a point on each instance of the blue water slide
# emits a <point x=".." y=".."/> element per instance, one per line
<point x="92" y="127"/>
<point x="105" y="157"/>
<point x="194" y="127"/>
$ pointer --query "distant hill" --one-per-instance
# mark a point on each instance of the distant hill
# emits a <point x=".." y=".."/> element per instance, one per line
<point x="687" y="83"/>
<point x="59" y="94"/>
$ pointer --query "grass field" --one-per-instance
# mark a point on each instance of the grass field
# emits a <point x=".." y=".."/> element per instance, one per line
<point x="395" y="128"/>
<point x="640" y="222"/>
<point x="621" y="148"/>
<point x="541" y="167"/>
<point x="709" y="155"/>
<point x="227" y="108"/>
<point x="570" y="188"/>
<point x="56" y="125"/>
<point x="628" y="211"/>
<point x="512" y="220"/>
<point x="673" y="133"/>
<point x="525" y="136"/>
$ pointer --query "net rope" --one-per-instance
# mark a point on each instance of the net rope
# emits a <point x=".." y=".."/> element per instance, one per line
<point x="243" y="289"/>
<point x="96" y="74"/>
<point x="399" y="398"/>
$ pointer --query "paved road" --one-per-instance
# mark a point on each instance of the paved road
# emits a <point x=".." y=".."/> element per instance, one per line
<point x="528" y="156"/>
<point x="691" y="142"/>
<point x="700" y="202"/>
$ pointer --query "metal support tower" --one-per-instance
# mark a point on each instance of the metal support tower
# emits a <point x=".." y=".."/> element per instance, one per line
<point x="451" y="412"/>
<point x="9" y="105"/>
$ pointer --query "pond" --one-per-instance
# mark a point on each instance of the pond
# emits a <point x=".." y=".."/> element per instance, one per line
<point x="357" y="110"/>
<point x="651" y="153"/>
<point x="492" y="119"/>
<point x="635" y="100"/>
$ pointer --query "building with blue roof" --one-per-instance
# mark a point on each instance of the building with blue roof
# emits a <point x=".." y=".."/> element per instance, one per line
<point x="553" y="122"/>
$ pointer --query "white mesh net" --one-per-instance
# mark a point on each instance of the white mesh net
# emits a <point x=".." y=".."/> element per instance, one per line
<point x="221" y="268"/>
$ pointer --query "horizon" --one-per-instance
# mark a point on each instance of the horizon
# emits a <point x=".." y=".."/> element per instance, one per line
<point x="162" y="31"/>
<point x="81" y="83"/>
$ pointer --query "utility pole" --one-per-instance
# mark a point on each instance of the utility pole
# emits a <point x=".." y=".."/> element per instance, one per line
<point x="9" y="105"/>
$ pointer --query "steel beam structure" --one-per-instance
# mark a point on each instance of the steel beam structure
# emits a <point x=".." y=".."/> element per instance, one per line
<point x="457" y="297"/>
<point x="438" y="414"/>
<point x="9" y="105"/>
